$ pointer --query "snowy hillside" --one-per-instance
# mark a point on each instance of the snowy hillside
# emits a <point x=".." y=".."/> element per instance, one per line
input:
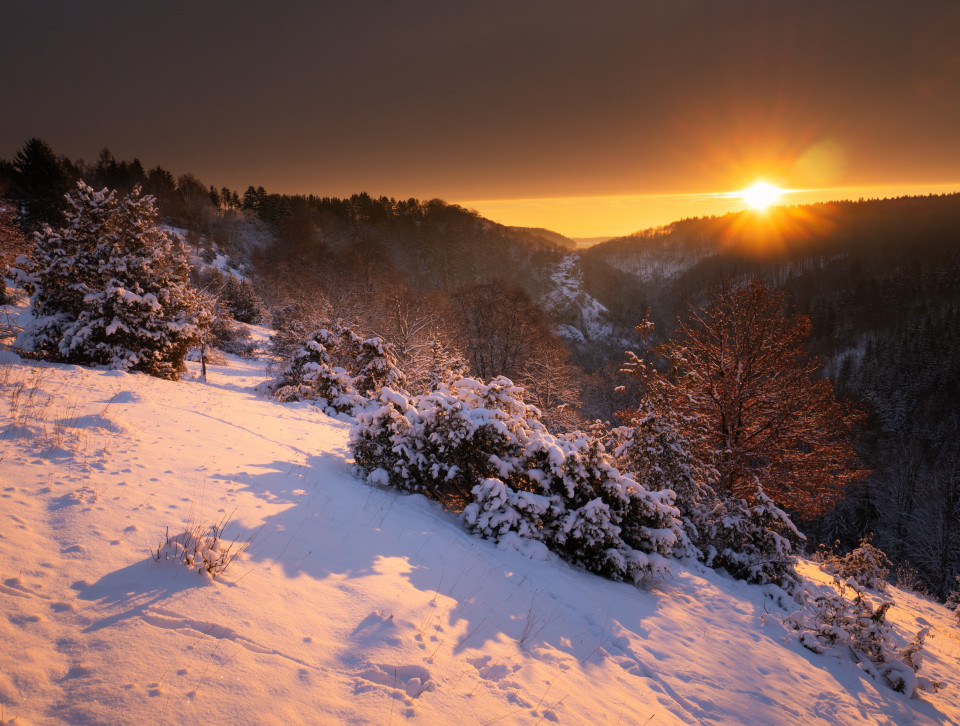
<point x="350" y="604"/>
<point x="655" y="257"/>
<point x="583" y="316"/>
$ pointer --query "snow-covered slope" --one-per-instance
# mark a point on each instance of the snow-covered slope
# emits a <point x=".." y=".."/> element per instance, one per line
<point x="351" y="604"/>
<point x="584" y="317"/>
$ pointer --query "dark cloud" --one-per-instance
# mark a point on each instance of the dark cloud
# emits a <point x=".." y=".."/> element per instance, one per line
<point x="495" y="99"/>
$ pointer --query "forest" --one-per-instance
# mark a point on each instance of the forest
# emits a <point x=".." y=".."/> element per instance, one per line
<point x="876" y="279"/>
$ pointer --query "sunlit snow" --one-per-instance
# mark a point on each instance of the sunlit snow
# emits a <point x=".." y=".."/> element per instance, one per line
<point x="351" y="604"/>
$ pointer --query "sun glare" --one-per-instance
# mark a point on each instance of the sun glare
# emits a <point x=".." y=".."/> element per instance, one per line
<point x="761" y="195"/>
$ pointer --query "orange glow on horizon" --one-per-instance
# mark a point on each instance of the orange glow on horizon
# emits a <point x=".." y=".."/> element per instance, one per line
<point x="618" y="215"/>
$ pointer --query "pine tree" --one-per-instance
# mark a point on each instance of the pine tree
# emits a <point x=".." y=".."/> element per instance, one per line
<point x="40" y="180"/>
<point x="110" y="288"/>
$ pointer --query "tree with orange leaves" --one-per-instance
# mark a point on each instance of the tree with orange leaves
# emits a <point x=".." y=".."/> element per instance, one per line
<point x="751" y="403"/>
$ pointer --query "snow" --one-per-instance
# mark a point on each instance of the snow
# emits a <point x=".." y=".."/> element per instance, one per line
<point x="660" y="258"/>
<point x="352" y="603"/>
<point x="567" y="298"/>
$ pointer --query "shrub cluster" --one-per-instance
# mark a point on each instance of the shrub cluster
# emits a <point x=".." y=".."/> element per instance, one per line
<point x="338" y="369"/>
<point x="856" y="625"/>
<point x="753" y="539"/>
<point x="477" y="447"/>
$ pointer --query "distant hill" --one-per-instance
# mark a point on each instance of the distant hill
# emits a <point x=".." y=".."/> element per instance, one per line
<point x="548" y="235"/>
<point x="589" y="241"/>
<point x="572" y="243"/>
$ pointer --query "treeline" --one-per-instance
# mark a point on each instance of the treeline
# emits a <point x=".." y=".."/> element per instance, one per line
<point x="413" y="272"/>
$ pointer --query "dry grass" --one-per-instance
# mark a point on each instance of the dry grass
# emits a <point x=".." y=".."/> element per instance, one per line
<point x="202" y="546"/>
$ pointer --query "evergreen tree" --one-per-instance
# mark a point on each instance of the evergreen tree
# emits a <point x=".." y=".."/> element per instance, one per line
<point x="110" y="288"/>
<point x="753" y="540"/>
<point x="40" y="180"/>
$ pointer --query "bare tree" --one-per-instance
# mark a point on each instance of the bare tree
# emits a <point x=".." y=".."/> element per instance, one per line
<point x="498" y="327"/>
<point x="749" y="394"/>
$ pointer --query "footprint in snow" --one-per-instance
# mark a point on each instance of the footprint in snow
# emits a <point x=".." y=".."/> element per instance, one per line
<point x="405" y="682"/>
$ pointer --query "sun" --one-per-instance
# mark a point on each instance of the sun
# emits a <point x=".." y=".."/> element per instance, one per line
<point x="761" y="195"/>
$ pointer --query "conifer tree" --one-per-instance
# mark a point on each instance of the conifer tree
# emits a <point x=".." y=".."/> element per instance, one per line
<point x="39" y="182"/>
<point x="110" y="288"/>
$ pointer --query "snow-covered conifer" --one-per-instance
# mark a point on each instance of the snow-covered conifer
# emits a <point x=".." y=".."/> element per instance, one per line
<point x="752" y="540"/>
<point x="110" y="288"/>
<point x="337" y="368"/>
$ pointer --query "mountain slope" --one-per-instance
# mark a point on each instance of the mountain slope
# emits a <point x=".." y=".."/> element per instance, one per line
<point x="351" y="604"/>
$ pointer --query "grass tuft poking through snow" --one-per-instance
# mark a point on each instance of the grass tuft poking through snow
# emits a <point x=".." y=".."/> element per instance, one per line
<point x="202" y="546"/>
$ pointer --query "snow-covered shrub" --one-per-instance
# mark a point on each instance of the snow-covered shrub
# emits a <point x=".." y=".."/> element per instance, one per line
<point x="433" y="366"/>
<point x="605" y="522"/>
<point x="338" y="369"/>
<point x="312" y="375"/>
<point x="953" y="601"/>
<point x="858" y="626"/>
<point x="654" y="452"/>
<point x="201" y="546"/>
<point x="371" y="362"/>
<point x="231" y="337"/>
<point x="867" y="564"/>
<point x="292" y="323"/>
<point x="478" y="447"/>
<point x="444" y="443"/>
<point x="110" y="288"/>
<point x="753" y="540"/>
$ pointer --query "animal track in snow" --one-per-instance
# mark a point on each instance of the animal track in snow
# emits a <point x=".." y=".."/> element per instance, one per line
<point x="13" y="586"/>
<point x="493" y="671"/>
<point x="377" y="627"/>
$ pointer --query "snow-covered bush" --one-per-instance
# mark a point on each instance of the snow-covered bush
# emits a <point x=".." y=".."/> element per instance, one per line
<point x="753" y="540"/>
<point x="445" y="442"/>
<point x="953" y="601"/>
<point x="653" y="451"/>
<point x="110" y="288"/>
<point x="231" y="337"/>
<point x="867" y="564"/>
<point x="605" y="521"/>
<point x="338" y="369"/>
<point x="478" y="447"/>
<point x="860" y="628"/>
<point x="432" y="366"/>
<point x="292" y="323"/>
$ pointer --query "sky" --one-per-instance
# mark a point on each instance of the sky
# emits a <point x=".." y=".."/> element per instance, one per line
<point x="588" y="118"/>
